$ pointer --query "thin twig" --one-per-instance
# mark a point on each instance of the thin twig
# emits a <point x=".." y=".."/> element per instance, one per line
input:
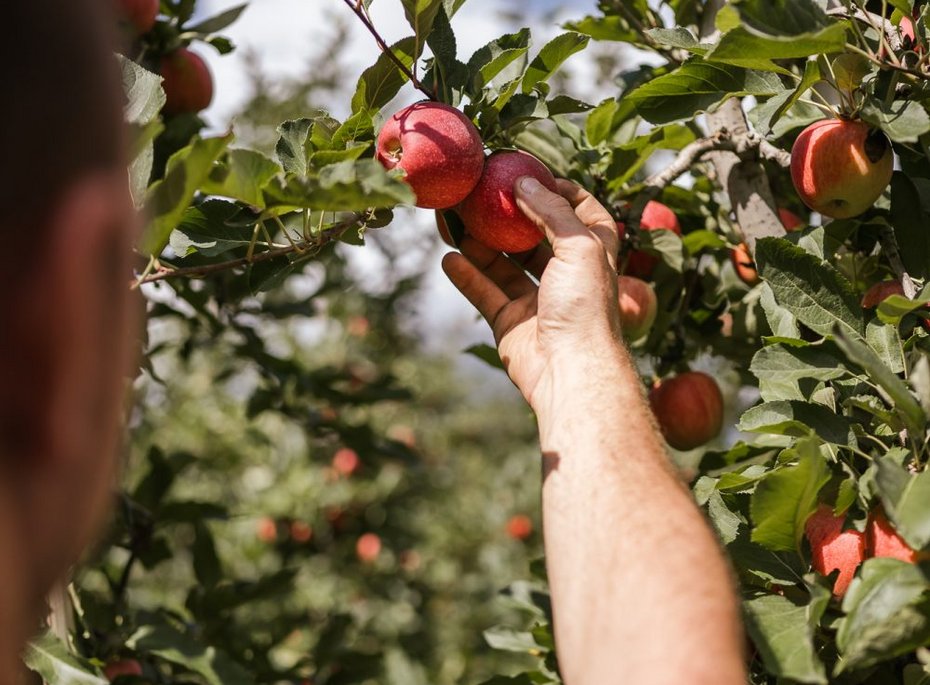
<point x="745" y="146"/>
<point x="327" y="236"/>
<point x="359" y="12"/>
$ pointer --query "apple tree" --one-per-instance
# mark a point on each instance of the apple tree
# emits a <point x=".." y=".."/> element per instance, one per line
<point x="768" y="165"/>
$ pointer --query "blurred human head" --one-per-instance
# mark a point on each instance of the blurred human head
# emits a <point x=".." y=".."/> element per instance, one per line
<point x="66" y="229"/>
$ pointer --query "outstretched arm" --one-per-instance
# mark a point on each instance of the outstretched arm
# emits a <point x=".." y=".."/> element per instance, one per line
<point x="640" y="589"/>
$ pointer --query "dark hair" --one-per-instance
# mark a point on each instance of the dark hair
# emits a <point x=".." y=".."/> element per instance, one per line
<point x="61" y="110"/>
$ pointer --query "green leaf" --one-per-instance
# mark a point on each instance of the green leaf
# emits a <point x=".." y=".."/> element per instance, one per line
<point x="905" y="404"/>
<point x="380" y="82"/>
<point x="165" y="641"/>
<point x="168" y="198"/>
<point x="680" y="38"/>
<point x="786" y="497"/>
<point x="893" y="309"/>
<point x="783" y="17"/>
<point x="784" y="362"/>
<point x="798" y="419"/>
<point x="219" y="22"/>
<point x="887" y="614"/>
<point x="910" y="225"/>
<point x="744" y="47"/>
<point x="420" y="15"/>
<point x="606" y="28"/>
<point x="345" y="186"/>
<point x="487" y="354"/>
<point x="904" y="120"/>
<point x="50" y="658"/>
<point x="242" y="176"/>
<point x="206" y="229"/>
<point x="490" y="60"/>
<point x="813" y="291"/>
<point x="780" y="320"/>
<point x="905" y="496"/>
<point x="142" y="89"/>
<point x="698" y="86"/>
<point x="551" y="57"/>
<point x="293" y="148"/>
<point x="782" y="632"/>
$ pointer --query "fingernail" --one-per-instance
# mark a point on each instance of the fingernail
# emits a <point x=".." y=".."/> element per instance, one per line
<point x="530" y="185"/>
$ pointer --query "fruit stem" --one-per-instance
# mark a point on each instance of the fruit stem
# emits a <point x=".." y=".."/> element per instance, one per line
<point x="358" y="9"/>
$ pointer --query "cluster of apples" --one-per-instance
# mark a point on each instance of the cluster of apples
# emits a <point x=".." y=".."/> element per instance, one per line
<point x="187" y="81"/>
<point x="442" y="155"/>
<point x="836" y="549"/>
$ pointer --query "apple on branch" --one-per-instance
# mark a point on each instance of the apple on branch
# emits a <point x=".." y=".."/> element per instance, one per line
<point x="840" y="167"/>
<point x="638" y="306"/>
<point x="688" y="408"/>
<point x="187" y="82"/>
<point x="439" y="150"/>
<point x="656" y="217"/>
<point x="490" y="212"/>
<point x="833" y="548"/>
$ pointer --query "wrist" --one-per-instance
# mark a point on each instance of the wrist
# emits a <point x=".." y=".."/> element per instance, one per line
<point x="591" y="389"/>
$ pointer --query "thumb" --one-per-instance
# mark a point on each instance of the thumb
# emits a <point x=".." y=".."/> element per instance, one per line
<point x="556" y="218"/>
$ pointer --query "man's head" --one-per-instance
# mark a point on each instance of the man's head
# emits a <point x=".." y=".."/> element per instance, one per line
<point x="66" y="225"/>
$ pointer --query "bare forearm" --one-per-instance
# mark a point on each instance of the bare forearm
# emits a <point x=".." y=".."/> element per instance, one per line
<point x="641" y="592"/>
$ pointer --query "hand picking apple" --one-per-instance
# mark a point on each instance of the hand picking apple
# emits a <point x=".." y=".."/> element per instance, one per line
<point x="561" y="342"/>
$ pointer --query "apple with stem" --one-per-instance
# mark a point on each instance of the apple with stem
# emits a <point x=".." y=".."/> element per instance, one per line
<point x="840" y="167"/>
<point x="688" y="408"/>
<point x="490" y="212"/>
<point x="439" y="150"/>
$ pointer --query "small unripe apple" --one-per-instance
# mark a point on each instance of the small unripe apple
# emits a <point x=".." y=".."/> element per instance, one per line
<point x="841" y="167"/>
<point x="883" y="540"/>
<point x="833" y="548"/>
<point x="267" y="529"/>
<point x="744" y="265"/>
<point x="115" y="669"/>
<point x="688" y="408"/>
<point x="368" y="547"/>
<point x="141" y="14"/>
<point x="490" y="212"/>
<point x="301" y="532"/>
<point x="638" y="306"/>
<point x="187" y="82"/>
<point x="346" y="461"/>
<point x="789" y="220"/>
<point x="656" y="217"/>
<point x="519" y="527"/>
<point x="437" y="147"/>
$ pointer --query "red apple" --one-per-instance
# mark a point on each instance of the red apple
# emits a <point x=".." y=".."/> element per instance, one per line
<point x="841" y="167"/>
<point x="438" y="148"/>
<point x="140" y="14"/>
<point x="301" y="532"/>
<point x="346" y="461"/>
<point x="883" y="540"/>
<point x="744" y="265"/>
<point x="789" y="220"/>
<point x="833" y="548"/>
<point x="688" y="408"/>
<point x="368" y="547"/>
<point x="115" y="669"/>
<point x="519" y="527"/>
<point x="187" y="82"/>
<point x="875" y="295"/>
<point x="490" y="212"/>
<point x="267" y="529"/>
<point x="656" y="217"/>
<point x="638" y="306"/>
